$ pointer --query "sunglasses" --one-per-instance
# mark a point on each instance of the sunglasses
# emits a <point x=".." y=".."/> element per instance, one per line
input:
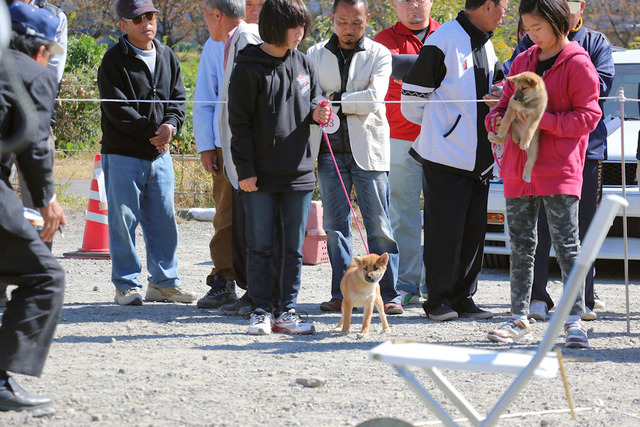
<point x="149" y="16"/>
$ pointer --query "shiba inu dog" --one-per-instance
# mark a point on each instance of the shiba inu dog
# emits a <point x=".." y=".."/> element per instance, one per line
<point x="530" y="97"/>
<point x="360" y="287"/>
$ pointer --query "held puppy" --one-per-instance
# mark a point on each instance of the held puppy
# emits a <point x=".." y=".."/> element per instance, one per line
<point x="360" y="288"/>
<point x="530" y="98"/>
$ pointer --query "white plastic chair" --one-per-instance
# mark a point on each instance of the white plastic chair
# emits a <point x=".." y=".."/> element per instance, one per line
<point x="541" y="363"/>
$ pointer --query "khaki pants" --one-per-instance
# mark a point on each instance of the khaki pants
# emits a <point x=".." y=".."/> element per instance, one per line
<point x="220" y="244"/>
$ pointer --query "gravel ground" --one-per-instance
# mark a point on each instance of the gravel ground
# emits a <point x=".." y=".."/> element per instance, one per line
<point x="173" y="364"/>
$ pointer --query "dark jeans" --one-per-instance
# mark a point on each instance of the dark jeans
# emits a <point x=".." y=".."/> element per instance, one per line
<point x="32" y="314"/>
<point x="455" y="223"/>
<point x="591" y="195"/>
<point x="263" y="211"/>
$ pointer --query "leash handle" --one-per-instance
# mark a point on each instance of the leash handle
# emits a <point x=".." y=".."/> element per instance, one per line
<point x="324" y="103"/>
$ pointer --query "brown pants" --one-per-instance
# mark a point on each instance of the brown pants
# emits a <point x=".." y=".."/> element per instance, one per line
<point x="220" y="244"/>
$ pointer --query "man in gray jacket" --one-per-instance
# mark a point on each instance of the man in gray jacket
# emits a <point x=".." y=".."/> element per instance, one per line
<point x="354" y="75"/>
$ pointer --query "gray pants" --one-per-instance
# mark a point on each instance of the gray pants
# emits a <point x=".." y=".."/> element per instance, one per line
<point x="522" y="217"/>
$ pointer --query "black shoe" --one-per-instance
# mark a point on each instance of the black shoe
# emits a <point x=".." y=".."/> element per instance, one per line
<point x="468" y="308"/>
<point x="15" y="398"/>
<point x="241" y="307"/>
<point x="222" y="292"/>
<point x="3" y="296"/>
<point x="440" y="312"/>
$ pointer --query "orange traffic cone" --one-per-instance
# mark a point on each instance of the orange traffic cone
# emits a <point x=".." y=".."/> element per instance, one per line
<point x="96" y="231"/>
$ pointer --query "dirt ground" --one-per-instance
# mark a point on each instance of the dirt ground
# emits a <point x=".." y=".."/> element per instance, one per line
<point x="167" y="364"/>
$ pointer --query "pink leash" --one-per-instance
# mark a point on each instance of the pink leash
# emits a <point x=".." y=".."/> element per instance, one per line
<point x="344" y="188"/>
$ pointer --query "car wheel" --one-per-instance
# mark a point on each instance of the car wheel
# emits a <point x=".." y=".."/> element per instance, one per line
<point x="496" y="261"/>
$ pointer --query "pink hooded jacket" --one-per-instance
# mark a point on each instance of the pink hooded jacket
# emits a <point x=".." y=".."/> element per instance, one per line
<point x="572" y="113"/>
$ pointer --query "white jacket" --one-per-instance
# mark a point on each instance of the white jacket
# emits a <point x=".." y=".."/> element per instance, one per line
<point x="244" y="35"/>
<point x="368" y="81"/>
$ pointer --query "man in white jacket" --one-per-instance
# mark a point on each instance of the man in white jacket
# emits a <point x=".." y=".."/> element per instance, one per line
<point x="457" y="63"/>
<point x="354" y="75"/>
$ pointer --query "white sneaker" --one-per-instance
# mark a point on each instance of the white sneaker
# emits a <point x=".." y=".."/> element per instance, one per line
<point x="514" y="331"/>
<point x="128" y="297"/>
<point x="261" y="322"/>
<point x="538" y="310"/>
<point x="408" y="298"/>
<point x="290" y="322"/>
<point x="598" y="303"/>
<point x="588" y="314"/>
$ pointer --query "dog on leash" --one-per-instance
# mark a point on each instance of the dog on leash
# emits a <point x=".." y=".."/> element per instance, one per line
<point x="360" y="287"/>
<point x="530" y="97"/>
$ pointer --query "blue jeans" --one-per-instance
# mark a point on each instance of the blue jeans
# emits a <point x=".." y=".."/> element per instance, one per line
<point x="141" y="192"/>
<point x="262" y="211"/>
<point x="372" y="189"/>
<point x="405" y="185"/>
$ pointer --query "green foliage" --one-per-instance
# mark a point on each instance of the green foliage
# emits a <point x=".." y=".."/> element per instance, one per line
<point x="83" y="52"/>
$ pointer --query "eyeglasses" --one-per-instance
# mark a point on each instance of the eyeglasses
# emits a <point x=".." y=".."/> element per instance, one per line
<point x="408" y="2"/>
<point x="149" y="16"/>
<point x="505" y="10"/>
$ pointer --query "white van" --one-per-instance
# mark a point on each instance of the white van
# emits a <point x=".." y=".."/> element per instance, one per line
<point x="627" y="63"/>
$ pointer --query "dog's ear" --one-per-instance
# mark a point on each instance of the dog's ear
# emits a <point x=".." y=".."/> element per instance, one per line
<point x="384" y="258"/>
<point x="358" y="260"/>
<point x="513" y="78"/>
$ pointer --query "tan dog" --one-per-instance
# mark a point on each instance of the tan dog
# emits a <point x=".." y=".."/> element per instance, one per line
<point x="530" y="97"/>
<point x="360" y="287"/>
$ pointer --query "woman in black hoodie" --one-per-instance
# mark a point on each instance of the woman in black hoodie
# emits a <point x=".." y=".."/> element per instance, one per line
<point x="273" y="100"/>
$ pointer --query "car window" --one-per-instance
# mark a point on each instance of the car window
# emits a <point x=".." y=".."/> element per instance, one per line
<point x="628" y="77"/>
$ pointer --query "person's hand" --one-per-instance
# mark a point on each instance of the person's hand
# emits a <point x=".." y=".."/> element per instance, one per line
<point x="495" y="122"/>
<point x="491" y="100"/>
<point x="249" y="184"/>
<point x="53" y="216"/>
<point x="398" y="81"/>
<point x="162" y="138"/>
<point x="322" y="113"/>
<point x="209" y="160"/>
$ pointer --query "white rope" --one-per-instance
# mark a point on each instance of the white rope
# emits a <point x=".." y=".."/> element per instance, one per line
<point x="426" y="101"/>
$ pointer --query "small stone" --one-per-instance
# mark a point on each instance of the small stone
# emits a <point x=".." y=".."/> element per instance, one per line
<point x="95" y="288"/>
<point x="121" y="371"/>
<point x="311" y="382"/>
<point x="113" y="340"/>
<point x="96" y="417"/>
<point x="204" y="358"/>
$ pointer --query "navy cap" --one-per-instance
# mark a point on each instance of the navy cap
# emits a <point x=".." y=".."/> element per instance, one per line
<point x="129" y="9"/>
<point x="36" y="22"/>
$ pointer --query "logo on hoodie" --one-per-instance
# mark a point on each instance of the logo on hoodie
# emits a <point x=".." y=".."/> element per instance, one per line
<point x="304" y="82"/>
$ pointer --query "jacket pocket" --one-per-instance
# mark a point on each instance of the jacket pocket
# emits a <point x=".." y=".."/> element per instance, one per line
<point x="455" y="124"/>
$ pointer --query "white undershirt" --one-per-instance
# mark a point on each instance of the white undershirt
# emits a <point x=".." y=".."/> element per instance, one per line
<point x="148" y="56"/>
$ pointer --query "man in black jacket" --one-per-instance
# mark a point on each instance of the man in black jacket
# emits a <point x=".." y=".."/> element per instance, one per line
<point x="136" y="161"/>
<point x="29" y="322"/>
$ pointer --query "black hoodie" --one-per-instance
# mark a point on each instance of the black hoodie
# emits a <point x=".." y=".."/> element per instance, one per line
<point x="271" y="103"/>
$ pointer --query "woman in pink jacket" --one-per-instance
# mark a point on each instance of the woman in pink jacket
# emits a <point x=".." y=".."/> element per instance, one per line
<point x="572" y="113"/>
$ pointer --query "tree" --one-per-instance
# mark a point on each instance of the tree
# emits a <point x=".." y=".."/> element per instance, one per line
<point x="619" y="20"/>
<point x="179" y="21"/>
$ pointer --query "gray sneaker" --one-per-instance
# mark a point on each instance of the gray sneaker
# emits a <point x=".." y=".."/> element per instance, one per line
<point x="222" y="292"/>
<point x="241" y="307"/>
<point x="538" y="310"/>
<point x="128" y="297"/>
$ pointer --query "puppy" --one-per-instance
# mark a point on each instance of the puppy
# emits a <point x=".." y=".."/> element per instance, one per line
<point x="360" y="288"/>
<point x="530" y="97"/>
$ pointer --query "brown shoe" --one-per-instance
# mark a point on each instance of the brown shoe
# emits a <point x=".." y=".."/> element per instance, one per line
<point x="334" y="304"/>
<point x="173" y="294"/>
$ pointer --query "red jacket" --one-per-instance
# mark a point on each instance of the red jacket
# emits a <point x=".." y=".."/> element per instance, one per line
<point x="572" y="113"/>
<point x="401" y="40"/>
